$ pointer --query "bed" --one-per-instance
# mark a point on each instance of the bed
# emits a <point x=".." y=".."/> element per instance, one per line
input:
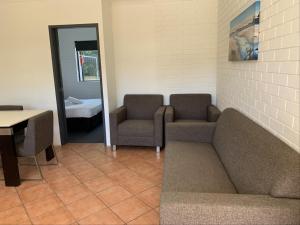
<point x="83" y="114"/>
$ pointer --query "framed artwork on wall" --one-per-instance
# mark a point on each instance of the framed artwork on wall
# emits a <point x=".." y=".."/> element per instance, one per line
<point x="244" y="34"/>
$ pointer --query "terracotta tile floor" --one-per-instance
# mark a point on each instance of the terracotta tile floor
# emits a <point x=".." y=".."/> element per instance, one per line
<point x="91" y="185"/>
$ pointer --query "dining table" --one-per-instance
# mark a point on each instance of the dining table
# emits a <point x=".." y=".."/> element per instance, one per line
<point x="10" y="123"/>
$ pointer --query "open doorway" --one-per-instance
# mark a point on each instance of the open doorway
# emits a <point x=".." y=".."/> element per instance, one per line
<point x="77" y="74"/>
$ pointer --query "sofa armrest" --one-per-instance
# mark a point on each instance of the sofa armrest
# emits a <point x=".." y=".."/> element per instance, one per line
<point x="227" y="209"/>
<point x="190" y="132"/>
<point x="213" y="113"/>
<point x="169" y="114"/>
<point x="116" y="117"/>
<point x="159" y="126"/>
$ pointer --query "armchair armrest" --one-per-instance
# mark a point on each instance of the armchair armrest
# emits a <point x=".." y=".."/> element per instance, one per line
<point x="115" y="118"/>
<point x="169" y="114"/>
<point x="213" y="113"/>
<point x="227" y="209"/>
<point x="190" y="132"/>
<point x="159" y="126"/>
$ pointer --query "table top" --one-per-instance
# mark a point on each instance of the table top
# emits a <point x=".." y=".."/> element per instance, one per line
<point x="11" y="118"/>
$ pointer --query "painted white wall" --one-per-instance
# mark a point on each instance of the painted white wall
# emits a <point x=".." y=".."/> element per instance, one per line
<point x="266" y="90"/>
<point x="25" y="56"/>
<point x="164" y="46"/>
<point x="160" y="46"/>
<point x="72" y="87"/>
<point x="109" y="52"/>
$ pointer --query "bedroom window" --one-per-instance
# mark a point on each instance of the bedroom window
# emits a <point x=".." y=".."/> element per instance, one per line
<point x="87" y="61"/>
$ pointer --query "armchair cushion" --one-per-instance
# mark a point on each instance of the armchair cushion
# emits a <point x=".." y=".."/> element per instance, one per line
<point x="142" y="107"/>
<point x="190" y="106"/>
<point x="136" y="128"/>
<point x="190" y="132"/>
<point x="190" y="121"/>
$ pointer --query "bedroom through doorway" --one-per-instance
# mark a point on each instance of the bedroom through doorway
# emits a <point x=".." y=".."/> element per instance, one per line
<point x="77" y="73"/>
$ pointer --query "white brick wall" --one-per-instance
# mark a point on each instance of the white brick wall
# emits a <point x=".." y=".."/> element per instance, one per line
<point x="266" y="90"/>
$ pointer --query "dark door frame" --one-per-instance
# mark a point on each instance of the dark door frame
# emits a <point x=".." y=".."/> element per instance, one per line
<point x="54" y="45"/>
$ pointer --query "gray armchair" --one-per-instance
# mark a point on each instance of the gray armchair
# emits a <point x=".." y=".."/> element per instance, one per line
<point x="190" y="114"/>
<point x="138" y="122"/>
<point x="191" y="108"/>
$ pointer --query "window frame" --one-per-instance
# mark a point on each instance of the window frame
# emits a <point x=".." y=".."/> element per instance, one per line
<point x="81" y="46"/>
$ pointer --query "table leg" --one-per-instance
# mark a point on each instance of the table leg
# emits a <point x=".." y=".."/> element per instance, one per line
<point x="49" y="153"/>
<point x="9" y="158"/>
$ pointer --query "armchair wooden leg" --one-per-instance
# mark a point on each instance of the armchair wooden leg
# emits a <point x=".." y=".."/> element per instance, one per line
<point x="157" y="149"/>
<point x="114" y="148"/>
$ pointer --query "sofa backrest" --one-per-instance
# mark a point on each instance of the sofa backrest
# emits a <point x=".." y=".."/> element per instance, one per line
<point x="190" y="106"/>
<point x="256" y="161"/>
<point x="142" y="106"/>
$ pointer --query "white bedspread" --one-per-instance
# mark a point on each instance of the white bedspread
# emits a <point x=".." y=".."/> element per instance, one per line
<point x="87" y="109"/>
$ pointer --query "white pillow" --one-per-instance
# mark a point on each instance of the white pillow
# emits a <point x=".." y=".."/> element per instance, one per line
<point x="74" y="100"/>
<point x="68" y="103"/>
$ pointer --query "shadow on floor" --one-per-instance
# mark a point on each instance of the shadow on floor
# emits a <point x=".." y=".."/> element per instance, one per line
<point x="94" y="136"/>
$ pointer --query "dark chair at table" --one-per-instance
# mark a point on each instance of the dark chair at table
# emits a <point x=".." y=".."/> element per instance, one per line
<point x="138" y="122"/>
<point x="38" y="137"/>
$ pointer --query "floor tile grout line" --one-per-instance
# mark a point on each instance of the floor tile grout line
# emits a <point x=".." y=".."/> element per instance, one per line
<point x="118" y="182"/>
<point x="95" y="196"/>
<point x="134" y="195"/>
<point x="23" y="205"/>
<point x="103" y="171"/>
<point x="66" y="205"/>
<point x="59" y="200"/>
<point x="140" y="216"/>
<point x="107" y="207"/>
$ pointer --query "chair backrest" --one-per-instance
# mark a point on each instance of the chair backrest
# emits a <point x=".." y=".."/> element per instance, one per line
<point x="39" y="134"/>
<point x="142" y="106"/>
<point x="10" y="107"/>
<point x="190" y="106"/>
<point x="256" y="161"/>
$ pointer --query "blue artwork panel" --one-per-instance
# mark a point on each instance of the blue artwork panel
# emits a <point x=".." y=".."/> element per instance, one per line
<point x="244" y="34"/>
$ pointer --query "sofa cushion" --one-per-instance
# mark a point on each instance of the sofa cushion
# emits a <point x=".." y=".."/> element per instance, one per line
<point x="190" y="131"/>
<point x="256" y="161"/>
<point x="194" y="167"/>
<point x="190" y="106"/>
<point x="142" y="107"/>
<point x="136" y="128"/>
